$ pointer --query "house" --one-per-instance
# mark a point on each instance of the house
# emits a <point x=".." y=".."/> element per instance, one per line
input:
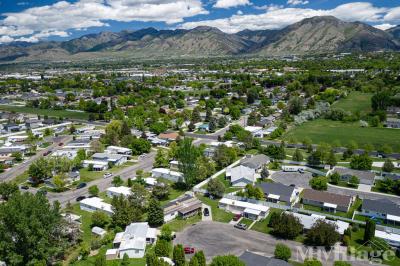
<point x="390" y="238"/>
<point x="309" y="220"/>
<point x="33" y="123"/>
<point x="277" y="192"/>
<point x="366" y="177"/>
<point x="157" y="141"/>
<point x="254" y="259"/>
<point x="256" y="162"/>
<point x="173" y="136"/>
<point x="96" y="165"/>
<point x="150" y="182"/>
<point x="209" y="152"/>
<point x="95" y="204"/>
<point x="240" y="176"/>
<point x="19" y="138"/>
<point x="118" y="191"/>
<point x="167" y="174"/>
<point x="293" y="168"/>
<point x="7" y="160"/>
<point x="392" y="122"/>
<point x="185" y="206"/>
<point x="174" y="165"/>
<point x="73" y="176"/>
<point x="98" y="231"/>
<point x="249" y="210"/>
<point x="9" y="150"/>
<point x="118" y="150"/>
<point x="77" y="144"/>
<point x="328" y="201"/>
<point x="114" y="159"/>
<point x="11" y="127"/>
<point x="70" y="154"/>
<point x="133" y="241"/>
<point x="255" y="131"/>
<point x="381" y="208"/>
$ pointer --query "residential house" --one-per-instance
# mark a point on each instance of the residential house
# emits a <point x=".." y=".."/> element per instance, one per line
<point x="185" y="206"/>
<point x="309" y="220"/>
<point x="366" y="177"/>
<point x="118" y="150"/>
<point x="7" y="160"/>
<point x="328" y="201"/>
<point x="167" y="174"/>
<point x="95" y="204"/>
<point x="77" y="144"/>
<point x="381" y="208"/>
<point x="33" y="123"/>
<point x="118" y="191"/>
<point x="240" y="176"/>
<point x="114" y="159"/>
<point x="9" y="150"/>
<point x="96" y="165"/>
<point x="98" y="231"/>
<point x="132" y="241"/>
<point x="256" y="162"/>
<point x="11" y="127"/>
<point x="173" y="136"/>
<point x="391" y="238"/>
<point x="257" y="132"/>
<point x="293" y="168"/>
<point x="19" y="138"/>
<point x="70" y="154"/>
<point x="255" y="259"/>
<point x="392" y="122"/>
<point x="73" y="176"/>
<point x="277" y="193"/>
<point x="249" y="210"/>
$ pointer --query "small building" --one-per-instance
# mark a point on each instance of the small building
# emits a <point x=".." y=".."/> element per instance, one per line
<point x="96" y="165"/>
<point x="249" y="210"/>
<point x="390" y="238"/>
<point x="328" y="201"/>
<point x="255" y="259"/>
<point x="277" y="193"/>
<point x="19" y="138"/>
<point x="366" y="177"/>
<point x="98" y="231"/>
<point x="167" y="174"/>
<point x="95" y="204"/>
<point x="293" y="168"/>
<point x="173" y="136"/>
<point x="114" y="159"/>
<point x="118" y="150"/>
<point x="118" y="191"/>
<point x="256" y="162"/>
<point x="392" y="122"/>
<point x="185" y="206"/>
<point x="383" y="209"/>
<point x="133" y="240"/>
<point x="309" y="220"/>
<point x="240" y="176"/>
<point x="257" y="132"/>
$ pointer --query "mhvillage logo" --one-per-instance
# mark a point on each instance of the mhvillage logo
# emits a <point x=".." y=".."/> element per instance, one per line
<point x="374" y="252"/>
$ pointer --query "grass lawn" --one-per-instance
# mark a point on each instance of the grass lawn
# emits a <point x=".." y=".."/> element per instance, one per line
<point x="178" y="225"/>
<point x="22" y="178"/>
<point x="246" y="221"/>
<point x="218" y="215"/>
<point x="87" y="176"/>
<point x="355" y="102"/>
<point x="262" y="225"/>
<point x="319" y="209"/>
<point x="227" y="184"/>
<point x="174" y="193"/>
<point x="339" y="133"/>
<point x="48" y="112"/>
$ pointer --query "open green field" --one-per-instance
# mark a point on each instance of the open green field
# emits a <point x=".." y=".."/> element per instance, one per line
<point x="43" y="112"/>
<point x="335" y="132"/>
<point x="355" y="101"/>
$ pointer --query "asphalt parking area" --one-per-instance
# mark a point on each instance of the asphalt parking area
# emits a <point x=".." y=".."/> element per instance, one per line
<point x="221" y="239"/>
<point x="296" y="178"/>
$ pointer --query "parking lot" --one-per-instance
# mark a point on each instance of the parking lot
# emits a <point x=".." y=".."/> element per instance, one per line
<point x="296" y="178"/>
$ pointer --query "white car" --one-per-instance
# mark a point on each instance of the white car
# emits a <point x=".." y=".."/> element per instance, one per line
<point x="107" y="175"/>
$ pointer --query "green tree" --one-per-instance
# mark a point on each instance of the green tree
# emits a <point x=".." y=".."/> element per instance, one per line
<point x="282" y="252"/>
<point x="39" y="170"/>
<point x="7" y="189"/>
<point x="178" y="255"/>
<point x="161" y="191"/>
<point x="124" y="212"/>
<point x="31" y="230"/>
<point x="100" y="260"/>
<point x="155" y="213"/>
<point x="17" y="156"/>
<point x="341" y="263"/>
<point x="93" y="190"/>
<point x="100" y="219"/>
<point x="335" y="178"/>
<point x="369" y="232"/>
<point x="117" y="181"/>
<point x="162" y="248"/>
<point x="331" y="160"/>
<point x="227" y="260"/>
<point x="187" y="155"/>
<point x="319" y="183"/>
<point x="312" y="262"/>
<point x="166" y="233"/>
<point x="161" y="159"/>
<point x="361" y="162"/>
<point x="322" y="234"/>
<point x="354" y="181"/>
<point x="297" y="156"/>
<point x="224" y="156"/>
<point x="388" y="166"/>
<point x="201" y="258"/>
<point x="125" y="260"/>
<point x="216" y="188"/>
<point x="193" y="262"/>
<point x="285" y="225"/>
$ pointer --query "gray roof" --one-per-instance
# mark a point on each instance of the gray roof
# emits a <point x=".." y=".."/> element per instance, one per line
<point x="253" y="259"/>
<point x="256" y="161"/>
<point x="278" y="189"/>
<point x="365" y="177"/>
<point x="381" y="206"/>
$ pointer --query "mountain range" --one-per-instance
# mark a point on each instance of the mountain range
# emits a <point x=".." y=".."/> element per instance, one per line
<point x="315" y="35"/>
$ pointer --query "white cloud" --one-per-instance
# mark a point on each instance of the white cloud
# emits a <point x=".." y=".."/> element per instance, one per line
<point x="297" y="2"/>
<point x="230" y="3"/>
<point x="279" y="17"/>
<point x="6" y="39"/>
<point x="50" y="20"/>
<point x="384" y="26"/>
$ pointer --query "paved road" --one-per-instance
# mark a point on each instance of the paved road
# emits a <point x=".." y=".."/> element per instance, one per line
<point x="145" y="163"/>
<point x="221" y="239"/>
<point x="22" y="167"/>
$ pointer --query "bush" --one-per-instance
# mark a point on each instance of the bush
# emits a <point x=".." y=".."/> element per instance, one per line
<point x="162" y="248"/>
<point x="312" y="262"/>
<point x="100" y="219"/>
<point x="216" y="188"/>
<point x="282" y="252"/>
<point x="346" y="241"/>
<point x="319" y="183"/>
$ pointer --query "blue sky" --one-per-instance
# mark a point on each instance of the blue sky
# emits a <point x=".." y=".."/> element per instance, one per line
<point x="36" y="20"/>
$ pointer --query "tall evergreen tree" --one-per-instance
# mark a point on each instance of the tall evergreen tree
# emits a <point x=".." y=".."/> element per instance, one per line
<point x="369" y="230"/>
<point x="179" y="255"/>
<point x="155" y="213"/>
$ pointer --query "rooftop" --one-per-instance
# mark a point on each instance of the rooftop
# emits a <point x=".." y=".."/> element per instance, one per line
<point x="322" y="196"/>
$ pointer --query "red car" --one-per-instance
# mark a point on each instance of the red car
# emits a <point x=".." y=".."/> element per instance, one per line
<point x="237" y="217"/>
<point x="60" y="144"/>
<point x="189" y="250"/>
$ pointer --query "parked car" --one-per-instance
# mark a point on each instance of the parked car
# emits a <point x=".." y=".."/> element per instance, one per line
<point x="107" y="175"/>
<point x="24" y="187"/>
<point x="241" y="226"/>
<point x="46" y="153"/>
<point x="189" y="250"/>
<point x="81" y="185"/>
<point x="60" y="144"/>
<point x="80" y="198"/>
<point x="206" y="212"/>
<point x="237" y="217"/>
